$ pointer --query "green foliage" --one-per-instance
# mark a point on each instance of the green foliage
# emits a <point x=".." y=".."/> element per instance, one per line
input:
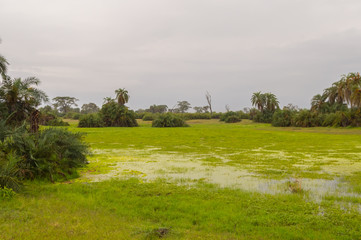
<point x="282" y="118"/>
<point x="56" y="122"/>
<point x="265" y="101"/>
<point x="49" y="154"/>
<point x="90" y="121"/>
<point x="232" y="119"/>
<point x="263" y="117"/>
<point x="6" y="193"/>
<point x="122" y="96"/>
<point x="169" y="120"/>
<point x="157" y="109"/>
<point x="89" y="108"/>
<point x="306" y="118"/>
<point x="63" y="104"/>
<point x="115" y="115"/>
<point x="10" y="175"/>
<point x="182" y="107"/>
<point x="20" y="97"/>
<point x="72" y="115"/>
<point x="226" y="115"/>
<point x="148" y="117"/>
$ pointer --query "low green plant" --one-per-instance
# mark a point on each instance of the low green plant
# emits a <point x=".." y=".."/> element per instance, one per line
<point x="6" y="193"/>
<point x="10" y="173"/>
<point x="148" y="117"/>
<point x="232" y="119"/>
<point x="90" y="121"/>
<point x="169" y="120"/>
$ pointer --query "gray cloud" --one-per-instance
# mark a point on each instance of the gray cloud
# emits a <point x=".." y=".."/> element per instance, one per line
<point x="163" y="51"/>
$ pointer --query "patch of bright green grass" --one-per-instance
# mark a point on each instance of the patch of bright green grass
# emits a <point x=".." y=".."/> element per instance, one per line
<point x="191" y="208"/>
<point x="130" y="209"/>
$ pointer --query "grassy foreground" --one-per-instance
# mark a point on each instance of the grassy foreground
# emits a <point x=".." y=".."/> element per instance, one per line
<point x="208" y="181"/>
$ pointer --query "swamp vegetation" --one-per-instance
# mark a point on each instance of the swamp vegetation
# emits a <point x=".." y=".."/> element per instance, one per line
<point x="209" y="181"/>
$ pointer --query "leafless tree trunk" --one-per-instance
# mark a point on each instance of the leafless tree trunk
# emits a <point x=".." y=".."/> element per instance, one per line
<point x="209" y="100"/>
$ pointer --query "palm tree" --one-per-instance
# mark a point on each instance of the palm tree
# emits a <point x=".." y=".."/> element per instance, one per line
<point x="258" y="100"/>
<point x="347" y="88"/>
<point x="3" y="66"/>
<point x="271" y="102"/>
<point x="331" y="94"/>
<point x="20" y="97"/>
<point x="122" y="96"/>
<point x="318" y="101"/>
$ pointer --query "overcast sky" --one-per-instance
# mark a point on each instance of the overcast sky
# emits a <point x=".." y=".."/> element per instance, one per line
<point x="164" y="51"/>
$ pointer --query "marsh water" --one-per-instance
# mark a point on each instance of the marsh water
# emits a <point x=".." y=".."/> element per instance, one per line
<point x="149" y="164"/>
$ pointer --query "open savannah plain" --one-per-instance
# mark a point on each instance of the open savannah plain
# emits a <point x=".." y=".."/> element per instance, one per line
<point x="208" y="181"/>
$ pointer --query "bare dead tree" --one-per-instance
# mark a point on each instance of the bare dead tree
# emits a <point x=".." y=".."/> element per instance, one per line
<point x="209" y="100"/>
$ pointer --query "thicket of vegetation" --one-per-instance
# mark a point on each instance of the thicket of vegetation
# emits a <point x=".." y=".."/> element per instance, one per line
<point x="169" y="120"/>
<point x="338" y="106"/>
<point x="113" y="113"/>
<point x="25" y="151"/>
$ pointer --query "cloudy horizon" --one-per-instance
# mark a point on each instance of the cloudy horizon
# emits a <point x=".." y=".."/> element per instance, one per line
<point x="165" y="51"/>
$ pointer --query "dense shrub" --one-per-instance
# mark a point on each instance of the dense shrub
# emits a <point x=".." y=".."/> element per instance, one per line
<point x="329" y="120"/>
<point x="148" y="117"/>
<point x="307" y="118"/>
<point x="56" y="122"/>
<point x="72" y="115"/>
<point x="50" y="119"/>
<point x="192" y="116"/>
<point x="139" y="115"/>
<point x="115" y="115"/>
<point x="169" y="120"/>
<point x="282" y="118"/>
<point x="232" y="119"/>
<point x="90" y="121"/>
<point x="48" y="154"/>
<point x="239" y="114"/>
<point x="263" y="117"/>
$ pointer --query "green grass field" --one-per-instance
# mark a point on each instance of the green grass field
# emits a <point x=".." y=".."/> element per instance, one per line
<point x="207" y="181"/>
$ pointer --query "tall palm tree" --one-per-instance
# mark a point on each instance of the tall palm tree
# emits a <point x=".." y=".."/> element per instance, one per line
<point x="122" y="96"/>
<point x="318" y="101"/>
<point x="3" y="66"/>
<point x="258" y="100"/>
<point x="331" y="94"/>
<point x="347" y="88"/>
<point x="21" y="97"/>
<point x="271" y="102"/>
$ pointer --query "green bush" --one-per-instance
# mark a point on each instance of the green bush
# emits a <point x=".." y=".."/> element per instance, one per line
<point x="232" y="119"/>
<point x="329" y="120"/>
<point x="10" y="176"/>
<point x="282" y="118"/>
<point x="226" y="115"/>
<point x="50" y="119"/>
<point x="6" y="193"/>
<point x="148" y="117"/>
<point x="56" y="123"/>
<point x="263" y="117"/>
<point x="115" y="115"/>
<point x="90" y="121"/>
<point x="49" y="154"/>
<point x="169" y="120"/>
<point x="307" y="118"/>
